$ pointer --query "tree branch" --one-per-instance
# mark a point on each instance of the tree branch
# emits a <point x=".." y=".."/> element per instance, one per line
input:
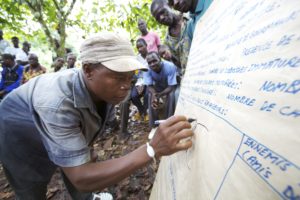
<point x="70" y="9"/>
<point x="58" y="8"/>
<point x="41" y="21"/>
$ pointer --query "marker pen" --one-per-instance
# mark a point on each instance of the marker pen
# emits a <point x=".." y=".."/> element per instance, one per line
<point x="158" y="122"/>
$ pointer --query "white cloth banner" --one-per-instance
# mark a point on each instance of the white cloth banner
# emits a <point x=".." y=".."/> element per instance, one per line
<point x="243" y="84"/>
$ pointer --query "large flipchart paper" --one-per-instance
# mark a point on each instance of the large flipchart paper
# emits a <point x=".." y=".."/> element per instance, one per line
<point x="243" y="85"/>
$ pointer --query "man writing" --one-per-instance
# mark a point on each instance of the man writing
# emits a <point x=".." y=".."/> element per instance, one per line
<point x="52" y="120"/>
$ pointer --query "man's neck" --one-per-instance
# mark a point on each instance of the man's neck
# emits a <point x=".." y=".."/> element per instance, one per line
<point x="145" y="33"/>
<point x="144" y="55"/>
<point x="175" y="29"/>
<point x="34" y="66"/>
<point x="12" y="65"/>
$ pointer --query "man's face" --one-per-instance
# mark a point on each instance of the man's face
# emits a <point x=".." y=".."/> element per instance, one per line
<point x="182" y="5"/>
<point x="154" y="62"/>
<point x="33" y="60"/>
<point x="164" y="15"/>
<point x="71" y="61"/>
<point x="107" y="85"/>
<point x="15" y="42"/>
<point x="7" y="62"/>
<point x="142" y="48"/>
<point x="26" y="47"/>
<point x="142" y="26"/>
<point x="60" y="62"/>
<point x="165" y="53"/>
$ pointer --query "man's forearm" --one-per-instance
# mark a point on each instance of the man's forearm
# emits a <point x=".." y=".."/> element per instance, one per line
<point x="96" y="176"/>
<point x="167" y="90"/>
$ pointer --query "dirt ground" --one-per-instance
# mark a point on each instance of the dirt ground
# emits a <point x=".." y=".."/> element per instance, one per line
<point x="112" y="145"/>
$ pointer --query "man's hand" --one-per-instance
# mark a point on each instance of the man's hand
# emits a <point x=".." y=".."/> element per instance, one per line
<point x="140" y="89"/>
<point x="2" y="93"/>
<point x="168" y="136"/>
<point x="154" y="101"/>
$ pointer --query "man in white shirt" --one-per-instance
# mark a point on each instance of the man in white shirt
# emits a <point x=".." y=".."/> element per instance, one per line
<point x="3" y="43"/>
<point x="15" y="49"/>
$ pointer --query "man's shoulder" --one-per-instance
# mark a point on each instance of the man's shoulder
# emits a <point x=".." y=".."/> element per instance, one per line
<point x="4" y="42"/>
<point x="168" y="64"/>
<point x="53" y="89"/>
<point x="153" y="34"/>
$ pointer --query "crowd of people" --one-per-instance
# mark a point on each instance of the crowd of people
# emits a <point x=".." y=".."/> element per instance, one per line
<point x="60" y="114"/>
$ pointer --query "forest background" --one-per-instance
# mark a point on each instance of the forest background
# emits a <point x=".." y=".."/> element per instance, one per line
<point x="53" y="25"/>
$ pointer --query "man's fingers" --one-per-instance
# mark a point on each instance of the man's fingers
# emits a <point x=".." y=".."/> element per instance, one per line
<point x="184" y="145"/>
<point x="184" y="134"/>
<point x="177" y="127"/>
<point x="174" y="119"/>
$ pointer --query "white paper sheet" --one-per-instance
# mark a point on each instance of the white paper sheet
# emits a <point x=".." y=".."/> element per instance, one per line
<point x="243" y="83"/>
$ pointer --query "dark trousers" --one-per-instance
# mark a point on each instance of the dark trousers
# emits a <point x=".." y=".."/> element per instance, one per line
<point x="30" y="190"/>
<point x="136" y="100"/>
<point x="168" y="110"/>
<point x="124" y="111"/>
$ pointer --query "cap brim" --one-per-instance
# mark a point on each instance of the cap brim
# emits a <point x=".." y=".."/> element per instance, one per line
<point x="124" y="64"/>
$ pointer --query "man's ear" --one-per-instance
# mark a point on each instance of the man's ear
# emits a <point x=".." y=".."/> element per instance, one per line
<point x="88" y="71"/>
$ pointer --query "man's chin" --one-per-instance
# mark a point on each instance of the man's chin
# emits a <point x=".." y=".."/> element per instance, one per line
<point x="118" y="100"/>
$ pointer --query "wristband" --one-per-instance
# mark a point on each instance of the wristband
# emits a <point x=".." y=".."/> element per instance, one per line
<point x="151" y="152"/>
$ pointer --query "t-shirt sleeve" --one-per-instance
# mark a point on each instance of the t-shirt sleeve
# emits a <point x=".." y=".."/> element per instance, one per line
<point x="157" y="40"/>
<point x="60" y="129"/>
<point x="147" y="78"/>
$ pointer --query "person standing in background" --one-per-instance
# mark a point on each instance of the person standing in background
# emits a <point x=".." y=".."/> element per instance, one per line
<point x="58" y="64"/>
<point x="139" y="90"/>
<point x="15" y="49"/>
<point x="33" y="69"/>
<point x="197" y="8"/>
<point x="22" y="56"/>
<point x="3" y="43"/>
<point x="71" y="60"/>
<point x="11" y="75"/>
<point x="161" y="82"/>
<point x="151" y="38"/>
<point x="176" y="39"/>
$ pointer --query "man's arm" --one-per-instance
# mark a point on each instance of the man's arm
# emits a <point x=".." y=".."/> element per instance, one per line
<point x="166" y="91"/>
<point x="154" y="96"/>
<point x="166" y="141"/>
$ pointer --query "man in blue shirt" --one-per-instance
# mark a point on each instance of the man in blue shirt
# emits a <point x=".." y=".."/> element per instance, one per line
<point x="197" y="8"/>
<point x="161" y="81"/>
<point x="11" y="75"/>
<point x="53" y="119"/>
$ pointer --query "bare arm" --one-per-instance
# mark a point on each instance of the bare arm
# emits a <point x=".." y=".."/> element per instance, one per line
<point x="96" y="176"/>
<point x="166" y="91"/>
